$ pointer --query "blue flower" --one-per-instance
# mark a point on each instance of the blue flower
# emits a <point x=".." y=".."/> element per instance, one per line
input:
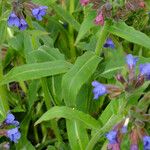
<point x="99" y="89"/>
<point x="13" y="20"/>
<point x="14" y="134"/>
<point x="146" y="142"/>
<point x="10" y="120"/>
<point x="109" y="43"/>
<point x="134" y="147"/>
<point x="23" y="24"/>
<point x="112" y="137"/>
<point x="131" y="61"/>
<point x="39" y="12"/>
<point x="145" y="70"/>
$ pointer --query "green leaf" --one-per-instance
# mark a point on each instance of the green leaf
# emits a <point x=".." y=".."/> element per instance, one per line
<point x="3" y="31"/>
<point x="26" y="144"/>
<point x="44" y="2"/>
<point x="86" y="25"/>
<point x="115" y="63"/>
<point x="77" y="134"/>
<point x="46" y="54"/>
<point x="130" y="34"/>
<point x="16" y="42"/>
<point x="35" y="71"/>
<point x="71" y="114"/>
<point x="78" y="75"/>
<point x="66" y="16"/>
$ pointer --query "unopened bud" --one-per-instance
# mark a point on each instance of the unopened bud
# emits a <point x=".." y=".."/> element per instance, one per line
<point x="139" y="81"/>
<point x="120" y="78"/>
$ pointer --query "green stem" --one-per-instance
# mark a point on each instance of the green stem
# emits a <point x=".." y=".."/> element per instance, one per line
<point x="48" y="100"/>
<point x="4" y="107"/>
<point x="102" y="38"/>
<point x="71" y="34"/>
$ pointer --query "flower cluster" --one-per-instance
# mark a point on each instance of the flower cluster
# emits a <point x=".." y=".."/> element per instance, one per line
<point x="13" y="133"/>
<point x="115" y="137"/>
<point x="131" y="83"/>
<point x="106" y="10"/>
<point x="17" y="17"/>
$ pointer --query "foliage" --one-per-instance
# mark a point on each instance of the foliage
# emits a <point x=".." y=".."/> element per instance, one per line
<point x="47" y="72"/>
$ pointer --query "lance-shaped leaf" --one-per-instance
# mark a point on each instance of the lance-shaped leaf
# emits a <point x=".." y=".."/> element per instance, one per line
<point x="71" y="114"/>
<point x="78" y="75"/>
<point x="35" y="71"/>
<point x="77" y="135"/>
<point x="130" y="34"/>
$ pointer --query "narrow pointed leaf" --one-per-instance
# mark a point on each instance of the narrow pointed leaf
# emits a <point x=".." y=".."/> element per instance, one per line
<point x="77" y="134"/>
<point x="35" y="71"/>
<point x="71" y="114"/>
<point x="130" y="34"/>
<point x="78" y="75"/>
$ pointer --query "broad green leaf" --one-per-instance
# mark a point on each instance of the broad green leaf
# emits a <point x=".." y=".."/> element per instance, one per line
<point x="86" y="25"/>
<point x="66" y="16"/>
<point x="77" y="134"/>
<point x="71" y="114"/>
<point x="46" y="54"/>
<point x="35" y="71"/>
<point x="130" y="34"/>
<point x="78" y="75"/>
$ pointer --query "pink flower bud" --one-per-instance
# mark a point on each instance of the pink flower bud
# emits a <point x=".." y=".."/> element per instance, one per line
<point x="84" y="2"/>
<point x="99" y="20"/>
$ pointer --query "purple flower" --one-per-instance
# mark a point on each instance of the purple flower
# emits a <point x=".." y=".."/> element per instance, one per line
<point x="39" y="12"/>
<point x="146" y="142"/>
<point x="13" y="20"/>
<point x="109" y="43"/>
<point x="23" y="24"/>
<point x="133" y="147"/>
<point x="14" y="134"/>
<point x="131" y="61"/>
<point x="84" y="2"/>
<point x="99" y="89"/>
<point x="10" y="120"/>
<point x="145" y="70"/>
<point x="112" y="137"/>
